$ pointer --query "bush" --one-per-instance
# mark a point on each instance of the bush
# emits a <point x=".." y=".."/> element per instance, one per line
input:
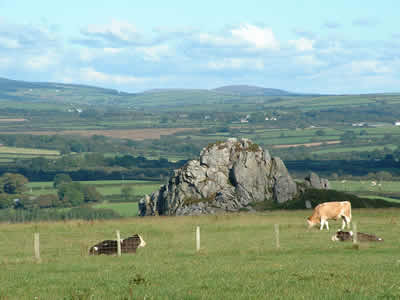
<point x="316" y="197"/>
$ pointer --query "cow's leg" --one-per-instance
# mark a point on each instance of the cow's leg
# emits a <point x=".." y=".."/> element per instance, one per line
<point x="347" y="221"/>
<point x="327" y="225"/>
<point x="322" y="224"/>
<point x="344" y="221"/>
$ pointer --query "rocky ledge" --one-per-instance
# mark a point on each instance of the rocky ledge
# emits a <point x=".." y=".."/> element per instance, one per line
<point x="229" y="176"/>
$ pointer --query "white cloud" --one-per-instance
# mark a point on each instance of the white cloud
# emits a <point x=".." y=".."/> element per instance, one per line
<point x="120" y="29"/>
<point x="303" y="44"/>
<point x="5" y="62"/>
<point x="91" y="75"/>
<point x="112" y="50"/>
<point x="262" y="38"/>
<point x="236" y="63"/>
<point x="9" y="43"/>
<point x="42" y="62"/>
<point x="247" y="35"/>
<point x="368" y="67"/>
<point x="155" y="53"/>
<point x="309" y="60"/>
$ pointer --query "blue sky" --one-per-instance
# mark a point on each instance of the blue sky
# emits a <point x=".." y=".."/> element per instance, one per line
<point x="302" y="46"/>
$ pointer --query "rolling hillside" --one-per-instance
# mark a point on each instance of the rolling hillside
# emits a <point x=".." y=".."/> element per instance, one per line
<point x="248" y="90"/>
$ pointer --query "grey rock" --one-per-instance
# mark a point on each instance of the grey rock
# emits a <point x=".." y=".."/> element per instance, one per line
<point x="228" y="176"/>
<point x="315" y="182"/>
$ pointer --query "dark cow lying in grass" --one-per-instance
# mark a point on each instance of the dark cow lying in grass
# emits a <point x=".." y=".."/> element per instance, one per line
<point x="128" y="245"/>
<point x="361" y="237"/>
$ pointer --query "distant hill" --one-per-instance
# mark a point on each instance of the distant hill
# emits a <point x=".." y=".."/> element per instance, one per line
<point x="248" y="90"/>
<point x="24" y="91"/>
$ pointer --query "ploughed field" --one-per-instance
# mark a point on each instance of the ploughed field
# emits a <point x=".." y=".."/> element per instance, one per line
<point x="238" y="259"/>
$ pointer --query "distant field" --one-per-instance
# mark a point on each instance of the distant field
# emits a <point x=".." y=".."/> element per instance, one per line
<point x="30" y="151"/>
<point x="123" y="209"/>
<point x="5" y="120"/>
<point x="132" y="134"/>
<point x="355" y="148"/>
<point x="104" y="187"/>
<point x="369" y="188"/>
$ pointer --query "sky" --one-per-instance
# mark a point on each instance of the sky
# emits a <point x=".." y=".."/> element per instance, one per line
<point x="305" y="46"/>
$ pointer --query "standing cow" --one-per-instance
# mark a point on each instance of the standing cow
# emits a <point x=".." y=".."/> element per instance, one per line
<point x="330" y="211"/>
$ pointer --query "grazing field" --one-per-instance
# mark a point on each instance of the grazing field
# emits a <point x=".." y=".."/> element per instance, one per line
<point x="131" y="134"/>
<point x="238" y="259"/>
<point x="129" y="209"/>
<point x="28" y="151"/>
<point x="367" y="186"/>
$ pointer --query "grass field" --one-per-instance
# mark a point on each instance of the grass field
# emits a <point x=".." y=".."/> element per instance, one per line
<point x="238" y="259"/>
<point x="104" y="187"/>
<point x="123" y="209"/>
<point x="30" y="151"/>
<point x="366" y="185"/>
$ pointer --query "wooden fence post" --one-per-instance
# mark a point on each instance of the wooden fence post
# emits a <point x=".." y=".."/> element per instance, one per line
<point x="277" y="236"/>
<point x="355" y="241"/>
<point x="118" y="243"/>
<point x="198" y="238"/>
<point x="36" y="246"/>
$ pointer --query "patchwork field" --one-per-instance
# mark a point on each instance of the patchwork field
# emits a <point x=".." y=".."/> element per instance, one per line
<point x="238" y="259"/>
<point x="104" y="187"/>
<point x="132" y="134"/>
<point x="369" y="188"/>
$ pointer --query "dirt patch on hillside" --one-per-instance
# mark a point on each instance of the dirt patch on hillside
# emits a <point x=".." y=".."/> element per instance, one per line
<point x="130" y="134"/>
<point x="12" y="120"/>
<point x="315" y="144"/>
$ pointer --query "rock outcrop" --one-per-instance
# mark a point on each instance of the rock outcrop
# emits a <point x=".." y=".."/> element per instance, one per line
<point x="315" y="182"/>
<point x="229" y="176"/>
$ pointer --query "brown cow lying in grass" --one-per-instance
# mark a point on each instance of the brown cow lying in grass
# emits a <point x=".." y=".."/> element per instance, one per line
<point x="330" y="211"/>
<point x="128" y="245"/>
<point x="361" y="237"/>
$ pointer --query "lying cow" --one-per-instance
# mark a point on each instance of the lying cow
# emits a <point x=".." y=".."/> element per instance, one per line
<point x="361" y="237"/>
<point x="330" y="211"/>
<point x="128" y="245"/>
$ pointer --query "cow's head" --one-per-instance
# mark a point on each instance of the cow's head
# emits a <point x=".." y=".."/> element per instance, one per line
<point x="311" y="223"/>
<point x="342" y="236"/>
<point x="94" y="250"/>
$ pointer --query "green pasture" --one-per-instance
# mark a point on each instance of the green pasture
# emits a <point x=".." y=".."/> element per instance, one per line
<point x="385" y="190"/>
<point x="354" y="148"/>
<point x="366" y="185"/>
<point x="238" y="259"/>
<point x="29" y="151"/>
<point x="124" y="209"/>
<point x="104" y="187"/>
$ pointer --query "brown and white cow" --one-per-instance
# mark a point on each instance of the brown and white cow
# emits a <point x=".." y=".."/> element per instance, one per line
<point x="128" y="245"/>
<point x="330" y="211"/>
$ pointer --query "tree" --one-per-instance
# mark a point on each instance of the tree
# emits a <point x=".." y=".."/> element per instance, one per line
<point x="349" y="137"/>
<point x="13" y="183"/>
<point x="6" y="201"/>
<point x="60" y="179"/>
<point x="127" y="192"/>
<point x="47" y="201"/>
<point x="70" y="194"/>
<point x="91" y="194"/>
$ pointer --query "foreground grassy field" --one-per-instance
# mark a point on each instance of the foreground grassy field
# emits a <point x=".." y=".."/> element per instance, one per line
<point x="238" y="259"/>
